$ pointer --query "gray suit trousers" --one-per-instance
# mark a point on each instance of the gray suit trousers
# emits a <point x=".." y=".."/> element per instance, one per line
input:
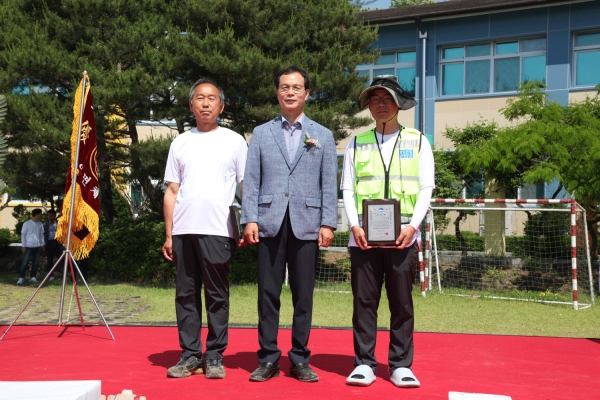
<point x="301" y="259"/>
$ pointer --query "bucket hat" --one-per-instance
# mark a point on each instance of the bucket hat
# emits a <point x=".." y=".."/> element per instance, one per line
<point x="403" y="100"/>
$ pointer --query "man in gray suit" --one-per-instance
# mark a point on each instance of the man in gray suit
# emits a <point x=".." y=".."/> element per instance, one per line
<point x="290" y="209"/>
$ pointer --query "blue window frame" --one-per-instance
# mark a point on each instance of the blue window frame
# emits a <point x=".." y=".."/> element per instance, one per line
<point x="586" y="58"/>
<point x="492" y="67"/>
<point x="401" y="63"/>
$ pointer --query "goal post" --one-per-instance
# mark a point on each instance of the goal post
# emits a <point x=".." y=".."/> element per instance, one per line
<point x="517" y="249"/>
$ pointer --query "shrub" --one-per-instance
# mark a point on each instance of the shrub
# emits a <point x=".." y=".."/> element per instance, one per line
<point x="548" y="233"/>
<point x="450" y="242"/>
<point x="340" y="239"/>
<point x="131" y="250"/>
<point x="5" y="240"/>
<point x="244" y="267"/>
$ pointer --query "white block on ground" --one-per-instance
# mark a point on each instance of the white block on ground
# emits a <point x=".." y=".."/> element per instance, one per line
<point x="476" y="396"/>
<point x="50" y="390"/>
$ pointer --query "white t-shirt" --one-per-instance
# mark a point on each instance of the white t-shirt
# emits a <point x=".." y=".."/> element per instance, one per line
<point x="426" y="181"/>
<point x="207" y="166"/>
<point x="32" y="234"/>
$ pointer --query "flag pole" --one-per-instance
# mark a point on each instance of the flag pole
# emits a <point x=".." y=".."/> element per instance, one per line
<point x="73" y="189"/>
<point x="67" y="254"/>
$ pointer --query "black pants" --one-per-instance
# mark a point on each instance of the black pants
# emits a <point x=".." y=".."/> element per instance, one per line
<point x="301" y="259"/>
<point x="202" y="259"/>
<point x="53" y="251"/>
<point x="370" y="268"/>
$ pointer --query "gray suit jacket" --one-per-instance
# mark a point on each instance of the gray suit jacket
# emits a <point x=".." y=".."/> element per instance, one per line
<point x="307" y="184"/>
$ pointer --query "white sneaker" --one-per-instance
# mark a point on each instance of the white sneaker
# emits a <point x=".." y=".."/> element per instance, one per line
<point x="51" y="278"/>
<point x="361" y="376"/>
<point x="32" y="279"/>
<point x="404" y="378"/>
<point x="20" y="281"/>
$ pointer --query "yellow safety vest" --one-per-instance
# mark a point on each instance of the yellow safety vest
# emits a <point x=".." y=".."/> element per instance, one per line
<point x="402" y="175"/>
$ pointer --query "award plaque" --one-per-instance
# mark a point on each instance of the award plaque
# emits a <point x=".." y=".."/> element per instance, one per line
<point x="235" y="214"/>
<point x="381" y="221"/>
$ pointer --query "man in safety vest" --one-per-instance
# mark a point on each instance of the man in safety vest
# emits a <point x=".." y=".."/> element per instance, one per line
<point x="387" y="162"/>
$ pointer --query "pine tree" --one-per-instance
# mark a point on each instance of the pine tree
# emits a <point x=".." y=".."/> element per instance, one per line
<point x="142" y="57"/>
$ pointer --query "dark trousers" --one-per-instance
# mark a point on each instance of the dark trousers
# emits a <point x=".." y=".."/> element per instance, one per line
<point x="53" y="250"/>
<point x="202" y="259"/>
<point x="34" y="253"/>
<point x="301" y="259"/>
<point x="370" y="268"/>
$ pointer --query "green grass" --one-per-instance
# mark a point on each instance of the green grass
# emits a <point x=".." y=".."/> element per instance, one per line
<point x="126" y="303"/>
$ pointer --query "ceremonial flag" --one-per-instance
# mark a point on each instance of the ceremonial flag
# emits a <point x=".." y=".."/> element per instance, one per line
<point x="86" y="210"/>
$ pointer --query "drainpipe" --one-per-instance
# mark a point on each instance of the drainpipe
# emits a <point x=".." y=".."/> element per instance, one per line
<point x="423" y="36"/>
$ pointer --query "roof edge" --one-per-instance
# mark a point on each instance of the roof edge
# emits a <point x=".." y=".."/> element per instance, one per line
<point x="453" y="8"/>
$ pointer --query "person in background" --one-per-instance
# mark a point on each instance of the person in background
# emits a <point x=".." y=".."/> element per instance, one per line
<point x="32" y="240"/>
<point x="53" y="248"/>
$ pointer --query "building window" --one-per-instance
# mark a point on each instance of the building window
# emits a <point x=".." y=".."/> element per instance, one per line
<point x="587" y="58"/>
<point x="492" y="67"/>
<point x="138" y="197"/>
<point x="403" y="64"/>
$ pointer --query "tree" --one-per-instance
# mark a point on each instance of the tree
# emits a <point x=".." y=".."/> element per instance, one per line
<point x="406" y="3"/>
<point x="242" y="44"/>
<point x="549" y="142"/>
<point x="142" y="58"/>
<point x="451" y="175"/>
<point x="361" y="4"/>
<point x="3" y="152"/>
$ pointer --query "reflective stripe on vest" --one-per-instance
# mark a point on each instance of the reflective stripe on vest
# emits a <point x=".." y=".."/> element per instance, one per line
<point x="403" y="172"/>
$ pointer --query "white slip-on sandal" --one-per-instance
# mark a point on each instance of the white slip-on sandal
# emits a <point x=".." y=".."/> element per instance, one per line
<point x="361" y="376"/>
<point x="404" y="378"/>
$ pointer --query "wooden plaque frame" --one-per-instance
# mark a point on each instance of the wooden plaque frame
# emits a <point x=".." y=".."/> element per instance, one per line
<point x="396" y="223"/>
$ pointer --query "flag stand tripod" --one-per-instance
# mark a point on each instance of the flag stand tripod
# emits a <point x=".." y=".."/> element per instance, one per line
<point x="67" y="255"/>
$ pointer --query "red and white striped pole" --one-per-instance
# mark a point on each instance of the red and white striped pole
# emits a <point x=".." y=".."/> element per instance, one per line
<point x="428" y="251"/>
<point x="574" y="253"/>
<point x="421" y="269"/>
<point x="506" y="201"/>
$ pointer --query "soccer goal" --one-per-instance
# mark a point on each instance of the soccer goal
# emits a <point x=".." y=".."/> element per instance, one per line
<point x="524" y="249"/>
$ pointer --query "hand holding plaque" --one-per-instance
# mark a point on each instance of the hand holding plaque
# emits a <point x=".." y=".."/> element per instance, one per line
<point x="381" y="221"/>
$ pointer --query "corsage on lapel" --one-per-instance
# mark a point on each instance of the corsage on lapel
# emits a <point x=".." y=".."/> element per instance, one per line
<point x="310" y="142"/>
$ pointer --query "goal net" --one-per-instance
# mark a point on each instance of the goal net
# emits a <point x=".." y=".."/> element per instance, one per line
<point x="526" y="249"/>
<point x="333" y="266"/>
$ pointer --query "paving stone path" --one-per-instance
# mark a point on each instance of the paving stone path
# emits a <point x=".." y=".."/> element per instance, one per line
<point x="44" y="308"/>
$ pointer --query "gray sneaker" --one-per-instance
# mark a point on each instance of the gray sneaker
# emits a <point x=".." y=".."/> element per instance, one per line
<point x="185" y="368"/>
<point x="215" y="369"/>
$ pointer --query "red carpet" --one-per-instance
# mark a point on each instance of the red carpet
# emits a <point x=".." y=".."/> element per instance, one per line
<point x="525" y="368"/>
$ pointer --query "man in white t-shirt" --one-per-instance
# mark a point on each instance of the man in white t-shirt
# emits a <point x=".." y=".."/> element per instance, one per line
<point x="204" y="166"/>
<point x="387" y="162"/>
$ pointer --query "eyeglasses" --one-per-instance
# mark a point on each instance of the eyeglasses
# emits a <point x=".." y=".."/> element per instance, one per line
<point x="295" y="89"/>
<point x="385" y="100"/>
